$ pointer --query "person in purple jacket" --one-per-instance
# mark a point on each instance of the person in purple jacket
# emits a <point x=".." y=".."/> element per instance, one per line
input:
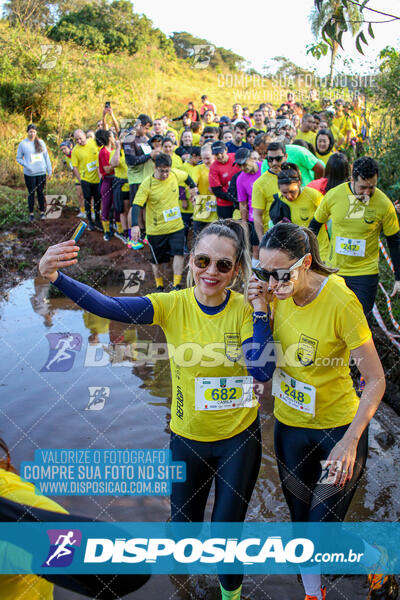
<point x="251" y="170"/>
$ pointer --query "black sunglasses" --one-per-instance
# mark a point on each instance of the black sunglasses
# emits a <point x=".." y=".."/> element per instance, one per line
<point x="202" y="261"/>
<point x="282" y="275"/>
<point x="278" y="159"/>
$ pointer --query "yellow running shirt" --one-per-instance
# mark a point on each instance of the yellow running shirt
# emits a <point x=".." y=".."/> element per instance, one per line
<point x="85" y="158"/>
<point x="161" y="198"/>
<point x="202" y="347"/>
<point x="307" y="136"/>
<point x="354" y="246"/>
<point x="302" y="210"/>
<point x="316" y="340"/>
<point x="122" y="170"/>
<point x="262" y="195"/>
<point x="23" y="587"/>
<point x="190" y="170"/>
<point x="205" y="208"/>
<point x="324" y="157"/>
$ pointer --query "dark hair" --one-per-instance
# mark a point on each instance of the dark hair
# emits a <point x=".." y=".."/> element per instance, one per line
<point x="5" y="463"/>
<point x="329" y="133"/>
<point x="195" y="126"/>
<point x="167" y="139"/>
<point x="163" y="160"/>
<point x="274" y="146"/>
<point x="337" y="170"/>
<point x="102" y="137"/>
<point x="289" y="173"/>
<point x="233" y="230"/>
<point x="296" y="241"/>
<point x="195" y="151"/>
<point x="36" y="142"/>
<point x="145" y="119"/>
<point x="365" y="167"/>
<point x="241" y="125"/>
<point x="209" y="129"/>
<point x="261" y="138"/>
<point x="156" y="138"/>
<point x="251" y="130"/>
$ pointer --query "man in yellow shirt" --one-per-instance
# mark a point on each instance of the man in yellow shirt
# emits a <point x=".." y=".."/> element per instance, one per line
<point x="341" y="125"/>
<point x="306" y="132"/>
<point x="84" y="160"/>
<point x="359" y="213"/>
<point x="164" y="225"/>
<point x="205" y="204"/>
<point x="266" y="186"/>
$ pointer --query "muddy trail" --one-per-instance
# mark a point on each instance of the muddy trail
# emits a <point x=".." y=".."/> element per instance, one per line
<point x="102" y="264"/>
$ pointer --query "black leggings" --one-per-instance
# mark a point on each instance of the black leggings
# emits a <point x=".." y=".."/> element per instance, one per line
<point x="365" y="288"/>
<point x="225" y="212"/>
<point x="233" y="463"/>
<point x="35" y="183"/>
<point x="299" y="452"/>
<point x="89" y="191"/>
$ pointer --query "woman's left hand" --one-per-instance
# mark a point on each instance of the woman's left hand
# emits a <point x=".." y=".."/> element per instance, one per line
<point x="341" y="461"/>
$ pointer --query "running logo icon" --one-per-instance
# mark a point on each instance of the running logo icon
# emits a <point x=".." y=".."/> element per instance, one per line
<point x="54" y="206"/>
<point x="356" y="208"/>
<point x="97" y="397"/>
<point x="63" y="347"/>
<point x="50" y="55"/>
<point x="62" y="547"/>
<point x="132" y="281"/>
<point x="202" y="54"/>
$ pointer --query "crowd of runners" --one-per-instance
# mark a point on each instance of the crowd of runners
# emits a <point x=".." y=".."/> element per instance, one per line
<point x="273" y="204"/>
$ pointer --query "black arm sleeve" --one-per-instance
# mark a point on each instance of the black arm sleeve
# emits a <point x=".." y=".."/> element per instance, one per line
<point x="315" y="226"/>
<point x="189" y="181"/>
<point x="393" y="242"/>
<point x="217" y="191"/>
<point x="135" y="214"/>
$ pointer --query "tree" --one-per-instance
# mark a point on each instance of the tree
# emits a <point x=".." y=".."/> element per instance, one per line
<point x="186" y="45"/>
<point x="109" y="27"/>
<point x="332" y="29"/>
<point x="334" y="17"/>
<point x="28" y="13"/>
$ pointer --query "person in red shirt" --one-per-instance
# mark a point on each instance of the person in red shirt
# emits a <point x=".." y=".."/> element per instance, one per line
<point x="221" y="172"/>
<point x="207" y="105"/>
<point x="105" y="138"/>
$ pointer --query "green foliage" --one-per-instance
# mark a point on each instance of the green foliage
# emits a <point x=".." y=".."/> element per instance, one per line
<point x="317" y="50"/>
<point x="109" y="28"/>
<point x="185" y="44"/>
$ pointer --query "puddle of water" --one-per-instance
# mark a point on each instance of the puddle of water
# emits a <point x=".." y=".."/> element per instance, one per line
<point x="44" y="409"/>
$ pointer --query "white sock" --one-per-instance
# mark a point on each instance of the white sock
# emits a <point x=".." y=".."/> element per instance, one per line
<point x="312" y="584"/>
<point x="254" y="262"/>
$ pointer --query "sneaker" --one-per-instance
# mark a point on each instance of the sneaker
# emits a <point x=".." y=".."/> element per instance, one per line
<point x="323" y="592"/>
<point x="107" y="236"/>
<point x="42" y="216"/>
<point x="98" y="225"/>
<point x="120" y="236"/>
<point x="160" y="288"/>
<point x="91" y="226"/>
<point x="81" y="215"/>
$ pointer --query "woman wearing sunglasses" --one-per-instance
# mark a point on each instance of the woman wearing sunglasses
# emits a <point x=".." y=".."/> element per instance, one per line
<point x="321" y="435"/>
<point x="296" y="204"/>
<point x="214" y="414"/>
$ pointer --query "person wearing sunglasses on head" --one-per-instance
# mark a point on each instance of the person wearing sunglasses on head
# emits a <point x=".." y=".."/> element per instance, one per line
<point x="321" y="426"/>
<point x="266" y="186"/>
<point x="297" y="204"/>
<point x="214" y="413"/>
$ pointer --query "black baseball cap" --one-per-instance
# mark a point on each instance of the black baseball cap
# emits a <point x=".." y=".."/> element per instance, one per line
<point x="218" y="147"/>
<point x="241" y="156"/>
<point x="224" y="119"/>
